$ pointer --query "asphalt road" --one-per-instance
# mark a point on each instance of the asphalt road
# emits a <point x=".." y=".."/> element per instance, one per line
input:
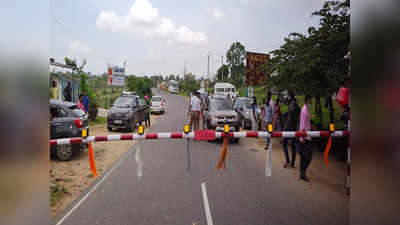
<point x="169" y="194"/>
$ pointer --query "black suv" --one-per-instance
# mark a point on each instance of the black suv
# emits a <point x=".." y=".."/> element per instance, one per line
<point x="126" y="112"/>
<point x="66" y="120"/>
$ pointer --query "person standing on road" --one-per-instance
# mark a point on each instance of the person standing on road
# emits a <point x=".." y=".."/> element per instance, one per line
<point x="194" y="111"/>
<point x="253" y="115"/>
<point x="147" y="103"/>
<point x="277" y="116"/>
<point x="80" y="103"/>
<point x="67" y="92"/>
<point x="291" y="124"/>
<point x="54" y="90"/>
<point x="306" y="146"/>
<point x="85" y="101"/>
<point x="268" y="115"/>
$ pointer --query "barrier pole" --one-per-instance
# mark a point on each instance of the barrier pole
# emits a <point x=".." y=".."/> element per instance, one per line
<point x="268" y="160"/>
<point x="92" y="162"/>
<point x="186" y="131"/>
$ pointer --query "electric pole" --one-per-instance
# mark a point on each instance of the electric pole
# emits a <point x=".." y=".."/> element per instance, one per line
<point x="208" y="70"/>
<point x="222" y="67"/>
<point x="184" y="69"/>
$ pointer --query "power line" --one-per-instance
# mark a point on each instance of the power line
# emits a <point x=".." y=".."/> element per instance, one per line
<point x="76" y="36"/>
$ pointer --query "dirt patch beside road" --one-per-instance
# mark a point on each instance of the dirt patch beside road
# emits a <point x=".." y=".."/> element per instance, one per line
<point x="332" y="177"/>
<point x="71" y="178"/>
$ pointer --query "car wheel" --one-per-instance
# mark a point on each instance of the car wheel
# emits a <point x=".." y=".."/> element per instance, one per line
<point x="109" y="128"/>
<point x="64" y="152"/>
<point x="243" y="123"/>
<point x="132" y="126"/>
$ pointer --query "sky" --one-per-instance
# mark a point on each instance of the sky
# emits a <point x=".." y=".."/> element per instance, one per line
<point x="156" y="36"/>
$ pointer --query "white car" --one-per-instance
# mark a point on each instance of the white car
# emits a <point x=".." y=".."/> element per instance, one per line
<point x="225" y="89"/>
<point x="157" y="105"/>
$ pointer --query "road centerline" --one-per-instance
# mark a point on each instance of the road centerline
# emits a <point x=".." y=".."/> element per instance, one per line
<point x="206" y="204"/>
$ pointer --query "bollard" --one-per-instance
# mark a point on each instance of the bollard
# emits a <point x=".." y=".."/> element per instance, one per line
<point x="139" y="155"/>
<point x="268" y="160"/>
<point x="91" y="155"/>
<point x="186" y="131"/>
<point x="329" y="144"/>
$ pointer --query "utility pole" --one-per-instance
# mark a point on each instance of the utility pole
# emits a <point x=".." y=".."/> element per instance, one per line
<point x="184" y="69"/>
<point x="208" y="70"/>
<point x="222" y="67"/>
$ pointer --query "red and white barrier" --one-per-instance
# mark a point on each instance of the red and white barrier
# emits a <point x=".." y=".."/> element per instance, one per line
<point x="193" y="135"/>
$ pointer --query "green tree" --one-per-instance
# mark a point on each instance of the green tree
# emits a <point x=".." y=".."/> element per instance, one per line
<point x="236" y="57"/>
<point x="314" y="63"/>
<point x="141" y="85"/>
<point x="84" y="85"/>
<point x="218" y="76"/>
<point x="189" y="83"/>
<point x="171" y="77"/>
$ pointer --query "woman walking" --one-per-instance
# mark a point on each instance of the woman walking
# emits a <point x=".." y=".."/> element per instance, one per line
<point x="277" y="116"/>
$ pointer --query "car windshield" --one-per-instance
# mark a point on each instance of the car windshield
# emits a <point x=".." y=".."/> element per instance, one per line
<point x="156" y="99"/>
<point x="221" y="104"/>
<point x="123" y="102"/>
<point x="246" y="103"/>
<point x="77" y="110"/>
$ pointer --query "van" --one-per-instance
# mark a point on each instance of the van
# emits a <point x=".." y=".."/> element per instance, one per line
<point x="223" y="89"/>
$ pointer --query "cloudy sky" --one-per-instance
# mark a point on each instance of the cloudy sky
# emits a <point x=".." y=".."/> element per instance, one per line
<point x="155" y="36"/>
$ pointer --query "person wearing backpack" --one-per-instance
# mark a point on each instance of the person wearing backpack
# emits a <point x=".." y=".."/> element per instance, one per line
<point x="291" y="124"/>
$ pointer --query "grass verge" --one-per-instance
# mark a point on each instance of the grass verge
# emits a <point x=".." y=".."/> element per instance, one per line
<point x="99" y="120"/>
<point x="57" y="192"/>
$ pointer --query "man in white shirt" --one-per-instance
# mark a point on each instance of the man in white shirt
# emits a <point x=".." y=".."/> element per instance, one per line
<point x="194" y="110"/>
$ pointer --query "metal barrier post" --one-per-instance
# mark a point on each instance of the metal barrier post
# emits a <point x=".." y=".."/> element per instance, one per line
<point x="268" y="160"/>
<point x="139" y="155"/>
<point x="186" y="131"/>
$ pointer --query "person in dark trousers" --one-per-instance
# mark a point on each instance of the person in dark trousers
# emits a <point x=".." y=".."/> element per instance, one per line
<point x="147" y="102"/>
<point x="253" y="116"/>
<point x="85" y="101"/>
<point x="306" y="146"/>
<point x="67" y="92"/>
<point x="291" y="124"/>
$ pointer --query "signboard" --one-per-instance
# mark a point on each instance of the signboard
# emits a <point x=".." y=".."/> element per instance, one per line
<point x="116" y="76"/>
<point x="254" y="75"/>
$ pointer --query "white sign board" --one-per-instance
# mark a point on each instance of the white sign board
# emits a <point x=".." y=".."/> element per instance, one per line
<point x="118" y="80"/>
<point x="116" y="76"/>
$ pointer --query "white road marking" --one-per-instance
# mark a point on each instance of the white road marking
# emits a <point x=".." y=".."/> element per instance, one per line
<point x="91" y="190"/>
<point x="206" y="205"/>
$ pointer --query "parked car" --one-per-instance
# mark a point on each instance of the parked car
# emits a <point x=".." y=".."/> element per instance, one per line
<point x="157" y="105"/>
<point x="66" y="120"/>
<point x="243" y="109"/>
<point x="220" y="112"/>
<point x="126" y="112"/>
